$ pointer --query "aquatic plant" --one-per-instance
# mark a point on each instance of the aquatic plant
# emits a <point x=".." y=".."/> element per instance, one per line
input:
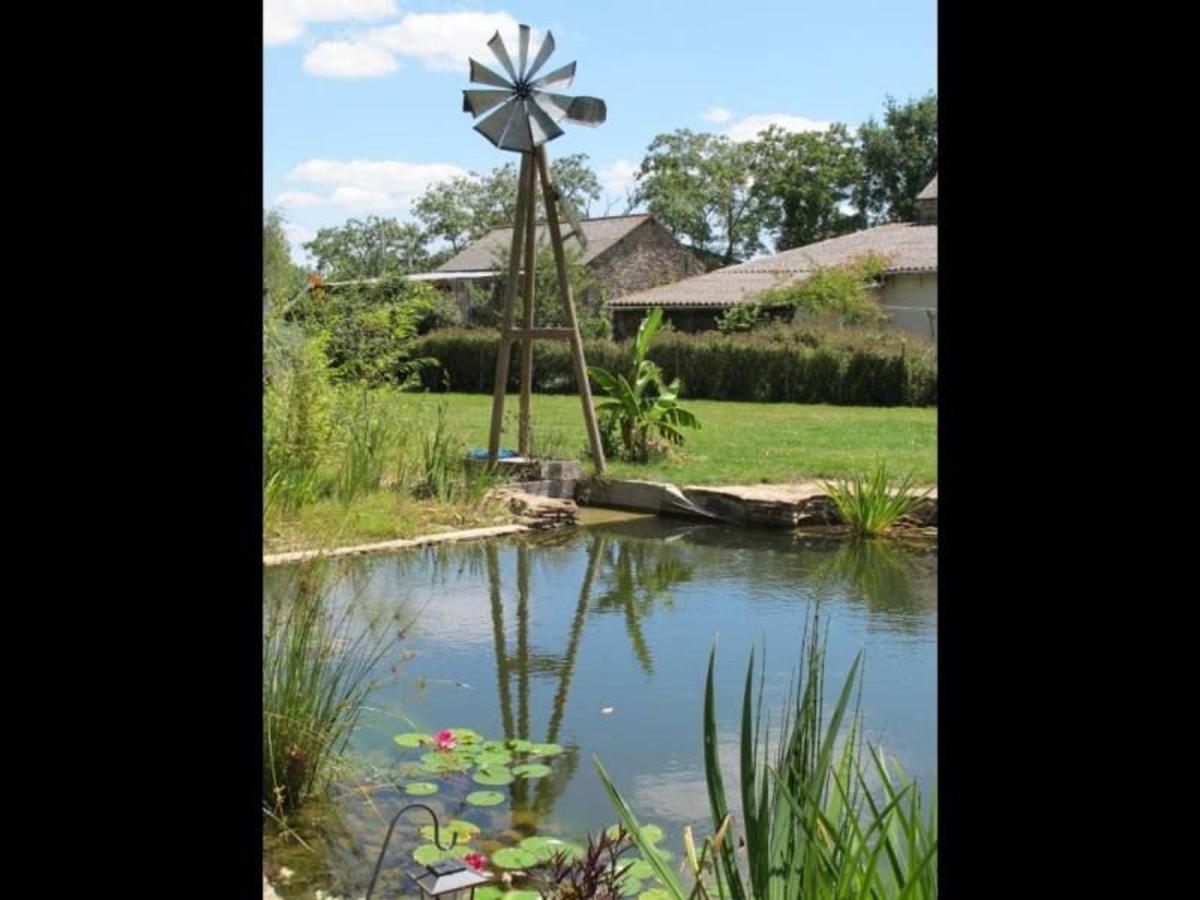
<point x="317" y="664"/>
<point x="871" y="504"/>
<point x="600" y="872"/>
<point x="812" y="824"/>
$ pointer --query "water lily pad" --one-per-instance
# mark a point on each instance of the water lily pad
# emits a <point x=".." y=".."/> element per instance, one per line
<point x="459" y="828"/>
<point x="493" y="747"/>
<point x="443" y="761"/>
<point x="652" y="834"/>
<point x="413" y="739"/>
<point x="485" y="798"/>
<point x="492" y="775"/>
<point x="431" y="853"/>
<point x="514" y="858"/>
<point x="517" y="745"/>
<point x="499" y="757"/>
<point x="519" y="895"/>
<point x="650" y="894"/>
<point x="546" y="749"/>
<point x="466" y="735"/>
<point x="489" y="892"/>
<point x="542" y="847"/>
<point x="420" y="789"/>
<point x="531" y="770"/>
<point x="640" y="869"/>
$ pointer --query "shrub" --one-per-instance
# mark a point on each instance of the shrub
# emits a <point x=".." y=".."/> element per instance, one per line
<point x="740" y="318"/>
<point x="843" y="293"/>
<point x="811" y="363"/>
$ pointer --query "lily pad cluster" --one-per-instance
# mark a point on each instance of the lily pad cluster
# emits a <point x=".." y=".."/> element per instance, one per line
<point x="461" y="754"/>
<point x="461" y="751"/>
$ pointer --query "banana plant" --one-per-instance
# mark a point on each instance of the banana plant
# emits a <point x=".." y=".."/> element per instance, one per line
<point x="648" y="404"/>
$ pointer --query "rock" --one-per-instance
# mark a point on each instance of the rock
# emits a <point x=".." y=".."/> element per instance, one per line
<point x="804" y="504"/>
<point x="533" y="511"/>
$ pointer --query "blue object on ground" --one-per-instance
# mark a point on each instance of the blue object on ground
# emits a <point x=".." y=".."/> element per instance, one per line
<point x="483" y="454"/>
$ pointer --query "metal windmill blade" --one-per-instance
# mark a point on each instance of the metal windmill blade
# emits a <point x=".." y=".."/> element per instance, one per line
<point x="523" y="111"/>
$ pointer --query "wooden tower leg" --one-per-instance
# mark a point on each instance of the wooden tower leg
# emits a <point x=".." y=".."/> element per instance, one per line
<point x="525" y="439"/>
<point x="560" y="262"/>
<point x="506" y="338"/>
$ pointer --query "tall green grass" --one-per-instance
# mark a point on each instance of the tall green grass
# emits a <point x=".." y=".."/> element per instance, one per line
<point x="317" y="664"/>
<point x="871" y="504"/>
<point x="370" y="436"/>
<point x="821" y="815"/>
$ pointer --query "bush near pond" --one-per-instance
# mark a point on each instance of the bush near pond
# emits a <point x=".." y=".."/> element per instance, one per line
<point x="798" y="364"/>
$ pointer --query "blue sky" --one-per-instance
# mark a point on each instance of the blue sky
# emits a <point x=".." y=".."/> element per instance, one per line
<point x="362" y="98"/>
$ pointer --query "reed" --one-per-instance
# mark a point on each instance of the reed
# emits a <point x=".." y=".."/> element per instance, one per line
<point x="318" y="660"/>
<point x="822" y="815"/>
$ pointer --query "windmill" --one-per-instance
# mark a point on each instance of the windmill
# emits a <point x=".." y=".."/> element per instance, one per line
<point x="523" y="112"/>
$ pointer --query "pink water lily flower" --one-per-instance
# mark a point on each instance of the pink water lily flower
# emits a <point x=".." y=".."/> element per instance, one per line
<point x="475" y="860"/>
<point x="445" y="740"/>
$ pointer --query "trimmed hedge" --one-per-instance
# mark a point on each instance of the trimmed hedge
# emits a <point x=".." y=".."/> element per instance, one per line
<point x="849" y="370"/>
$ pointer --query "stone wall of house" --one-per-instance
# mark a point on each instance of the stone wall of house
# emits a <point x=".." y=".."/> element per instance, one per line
<point x="646" y="257"/>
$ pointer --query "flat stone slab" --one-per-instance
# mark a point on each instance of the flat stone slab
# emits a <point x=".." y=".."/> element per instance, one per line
<point x="797" y="505"/>
<point x="467" y="534"/>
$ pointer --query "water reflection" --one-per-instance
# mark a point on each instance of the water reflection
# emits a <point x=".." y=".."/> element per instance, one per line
<point x="633" y="578"/>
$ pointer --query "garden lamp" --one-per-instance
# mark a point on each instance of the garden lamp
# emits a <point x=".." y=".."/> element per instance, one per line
<point x="451" y="878"/>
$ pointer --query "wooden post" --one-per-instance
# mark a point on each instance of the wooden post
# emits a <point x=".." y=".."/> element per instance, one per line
<point x="524" y="440"/>
<point x="514" y="263"/>
<point x="560" y="261"/>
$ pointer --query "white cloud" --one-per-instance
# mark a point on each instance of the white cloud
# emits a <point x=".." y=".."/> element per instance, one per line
<point x="297" y="200"/>
<point x="284" y="20"/>
<point x="367" y="185"/>
<point x="748" y="128"/>
<point x="349" y="59"/>
<point x="716" y="114"/>
<point x="443" y="41"/>
<point x="619" y="177"/>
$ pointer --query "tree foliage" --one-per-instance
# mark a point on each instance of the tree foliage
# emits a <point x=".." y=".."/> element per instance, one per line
<point x="369" y="248"/>
<point x="700" y="186"/>
<point x="463" y="209"/>
<point x="899" y="158"/>
<point x="803" y="182"/>
<point x="282" y="278"/>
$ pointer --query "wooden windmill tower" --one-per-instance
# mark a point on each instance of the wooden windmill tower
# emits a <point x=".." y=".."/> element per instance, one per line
<point x="523" y="117"/>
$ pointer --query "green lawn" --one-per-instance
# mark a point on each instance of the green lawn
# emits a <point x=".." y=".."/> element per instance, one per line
<point x="738" y="443"/>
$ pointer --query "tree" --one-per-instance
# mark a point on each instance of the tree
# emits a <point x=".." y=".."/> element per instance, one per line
<point x="802" y="182"/>
<point x="899" y="157"/>
<point x="700" y="187"/>
<point x="282" y="278"/>
<point x="446" y="209"/>
<point x="463" y="209"/>
<point x="372" y="248"/>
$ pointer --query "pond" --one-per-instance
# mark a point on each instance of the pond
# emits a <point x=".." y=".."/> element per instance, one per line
<point x="597" y="639"/>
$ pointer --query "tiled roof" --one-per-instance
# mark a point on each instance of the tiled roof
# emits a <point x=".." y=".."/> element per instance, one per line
<point x="906" y="247"/>
<point x="601" y="234"/>
<point x="930" y="191"/>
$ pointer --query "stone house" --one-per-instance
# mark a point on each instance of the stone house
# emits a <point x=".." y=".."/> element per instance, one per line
<point x="908" y="291"/>
<point x="623" y="253"/>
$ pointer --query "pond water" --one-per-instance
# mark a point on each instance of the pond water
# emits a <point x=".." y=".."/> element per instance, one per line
<point x="597" y="639"/>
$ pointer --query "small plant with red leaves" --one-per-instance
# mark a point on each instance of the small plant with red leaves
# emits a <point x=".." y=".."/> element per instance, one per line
<point x="597" y="874"/>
